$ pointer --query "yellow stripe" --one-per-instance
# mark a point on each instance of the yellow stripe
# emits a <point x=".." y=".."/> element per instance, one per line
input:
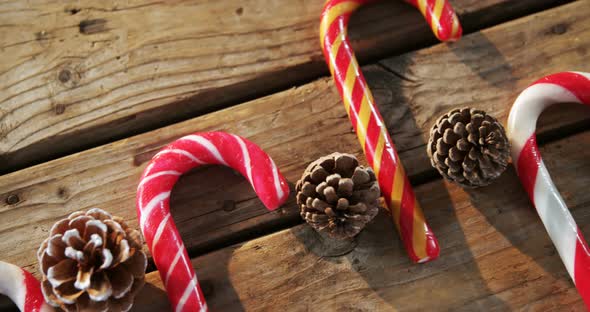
<point x="398" y="186"/>
<point x="351" y="75"/>
<point x="333" y="13"/>
<point x="334" y="50"/>
<point x="438" y="6"/>
<point x="363" y="120"/>
<point x="436" y="14"/>
<point x="422" y="6"/>
<point x="378" y="154"/>
<point x="418" y="233"/>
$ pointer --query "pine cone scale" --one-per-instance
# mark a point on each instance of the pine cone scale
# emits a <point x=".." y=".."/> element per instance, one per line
<point x="338" y="196"/>
<point x="92" y="262"/>
<point x="469" y="147"/>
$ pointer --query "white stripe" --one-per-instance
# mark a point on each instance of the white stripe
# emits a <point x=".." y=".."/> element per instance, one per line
<point x="173" y="264"/>
<point x="556" y="217"/>
<point x="12" y="284"/>
<point x="182" y="152"/>
<point x="528" y="106"/>
<point x="587" y="75"/>
<point x="246" y="159"/>
<point x="159" y="231"/>
<point x="277" y="180"/>
<point x="192" y="285"/>
<point x="155" y="175"/>
<point x="206" y="144"/>
<point x="149" y="168"/>
<point x="145" y="211"/>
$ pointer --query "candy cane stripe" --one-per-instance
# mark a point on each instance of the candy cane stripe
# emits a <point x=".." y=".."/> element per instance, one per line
<point x="246" y="154"/>
<point x="181" y="152"/>
<point x="368" y="123"/>
<point x="556" y="217"/>
<point x="277" y="179"/>
<point x="160" y="230"/>
<point x="159" y="174"/>
<point x="22" y="288"/>
<point x="153" y="202"/>
<point x="554" y="213"/>
<point x="173" y="264"/>
<point x="187" y="292"/>
<point x="145" y="211"/>
<point x="208" y="145"/>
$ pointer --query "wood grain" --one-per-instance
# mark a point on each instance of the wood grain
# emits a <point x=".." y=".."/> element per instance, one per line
<point x="74" y="75"/>
<point x="495" y="256"/>
<point x="214" y="206"/>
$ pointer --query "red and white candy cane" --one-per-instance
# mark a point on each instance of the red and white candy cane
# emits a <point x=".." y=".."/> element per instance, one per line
<point x="566" y="87"/>
<point x="153" y="202"/>
<point x="22" y="288"/>
<point x="418" y="239"/>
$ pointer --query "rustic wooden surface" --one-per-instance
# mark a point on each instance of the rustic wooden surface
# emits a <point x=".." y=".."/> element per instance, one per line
<point x="286" y="125"/>
<point x="486" y="69"/>
<point x="84" y="73"/>
<point x="495" y="256"/>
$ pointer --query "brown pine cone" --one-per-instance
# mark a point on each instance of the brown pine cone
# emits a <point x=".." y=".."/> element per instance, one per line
<point x="92" y="262"/>
<point x="337" y="196"/>
<point x="468" y="147"/>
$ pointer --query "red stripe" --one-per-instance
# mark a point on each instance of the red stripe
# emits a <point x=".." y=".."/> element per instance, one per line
<point x="432" y="246"/>
<point x="372" y="138"/>
<point x="582" y="269"/>
<point x="180" y="278"/>
<point x="33" y="297"/>
<point x="333" y="31"/>
<point x="341" y="63"/>
<point x="528" y="165"/>
<point x="358" y="92"/>
<point x="577" y="84"/>
<point x="428" y="12"/>
<point x="445" y="31"/>
<point x="386" y="172"/>
<point x="406" y="218"/>
<point x="192" y="301"/>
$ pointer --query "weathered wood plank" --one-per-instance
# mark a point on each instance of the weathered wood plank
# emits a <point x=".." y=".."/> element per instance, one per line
<point x="78" y="74"/>
<point x="495" y="256"/>
<point x="213" y="206"/>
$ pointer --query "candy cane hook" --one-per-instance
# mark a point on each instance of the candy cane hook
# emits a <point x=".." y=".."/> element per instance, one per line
<point x="153" y="202"/>
<point x="22" y="288"/>
<point x="567" y="87"/>
<point x="370" y="128"/>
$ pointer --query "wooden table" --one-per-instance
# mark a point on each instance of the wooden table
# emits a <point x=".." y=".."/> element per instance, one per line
<point x="91" y="90"/>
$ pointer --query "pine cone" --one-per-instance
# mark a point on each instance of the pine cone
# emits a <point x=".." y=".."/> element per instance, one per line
<point x="468" y="147"/>
<point x="337" y="196"/>
<point x="92" y="262"/>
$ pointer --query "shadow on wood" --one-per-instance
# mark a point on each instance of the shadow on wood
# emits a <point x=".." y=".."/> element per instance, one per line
<point x="378" y="255"/>
<point x="484" y="58"/>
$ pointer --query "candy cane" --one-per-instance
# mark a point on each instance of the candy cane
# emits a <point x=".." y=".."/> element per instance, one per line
<point x="153" y="202"/>
<point x="370" y="128"/>
<point x="559" y="223"/>
<point x="22" y="288"/>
